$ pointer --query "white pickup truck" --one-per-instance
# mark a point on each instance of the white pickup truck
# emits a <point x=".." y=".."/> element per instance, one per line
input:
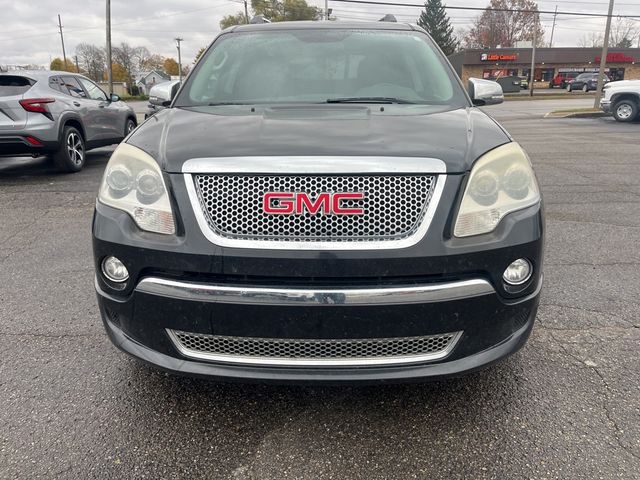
<point x="622" y="99"/>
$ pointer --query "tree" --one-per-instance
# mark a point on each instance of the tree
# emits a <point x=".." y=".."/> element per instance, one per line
<point x="436" y="22"/>
<point x="125" y="56"/>
<point x="496" y="27"/>
<point x="624" y="33"/>
<point x="58" y="64"/>
<point x="275" y="11"/>
<point x="591" y="40"/>
<point x="119" y="73"/>
<point x="199" y="54"/>
<point x="231" y="20"/>
<point x="171" y="66"/>
<point x="92" y="59"/>
<point x="153" y="62"/>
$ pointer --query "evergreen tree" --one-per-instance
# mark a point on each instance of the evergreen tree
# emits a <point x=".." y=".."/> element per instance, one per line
<point x="436" y="22"/>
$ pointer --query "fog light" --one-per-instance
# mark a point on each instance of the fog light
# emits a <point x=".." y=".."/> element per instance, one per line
<point x="518" y="272"/>
<point x="114" y="270"/>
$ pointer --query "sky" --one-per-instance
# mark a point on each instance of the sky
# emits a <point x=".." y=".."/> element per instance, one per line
<point x="29" y="33"/>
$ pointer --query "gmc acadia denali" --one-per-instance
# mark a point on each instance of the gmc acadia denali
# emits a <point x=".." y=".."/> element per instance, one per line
<point x="321" y="202"/>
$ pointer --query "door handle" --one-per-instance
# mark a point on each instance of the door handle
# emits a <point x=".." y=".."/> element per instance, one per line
<point x="77" y="104"/>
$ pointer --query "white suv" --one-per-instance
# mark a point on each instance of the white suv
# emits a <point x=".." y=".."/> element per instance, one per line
<point x="622" y="99"/>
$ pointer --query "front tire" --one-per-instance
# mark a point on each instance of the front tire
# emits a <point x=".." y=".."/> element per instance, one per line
<point x="129" y="126"/>
<point x="71" y="154"/>
<point x="625" y="110"/>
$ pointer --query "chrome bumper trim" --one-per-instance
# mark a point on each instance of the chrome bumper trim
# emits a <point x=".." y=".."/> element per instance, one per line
<point x="313" y="362"/>
<point x="437" y="292"/>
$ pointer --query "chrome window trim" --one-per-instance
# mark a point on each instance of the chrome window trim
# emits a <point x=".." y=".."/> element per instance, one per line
<point x="313" y="362"/>
<point x="314" y="165"/>
<point x="255" y="295"/>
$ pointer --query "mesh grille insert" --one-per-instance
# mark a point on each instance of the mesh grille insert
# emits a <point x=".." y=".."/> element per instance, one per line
<point x="313" y="349"/>
<point x="394" y="206"/>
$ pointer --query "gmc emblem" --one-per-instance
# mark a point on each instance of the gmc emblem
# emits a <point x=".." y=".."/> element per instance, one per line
<point x="296" y="203"/>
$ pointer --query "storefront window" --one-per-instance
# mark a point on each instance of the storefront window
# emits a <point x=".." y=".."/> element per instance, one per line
<point x="494" y="73"/>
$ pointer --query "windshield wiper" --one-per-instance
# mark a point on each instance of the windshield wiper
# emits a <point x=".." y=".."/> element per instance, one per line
<point x="219" y="104"/>
<point x="367" y="100"/>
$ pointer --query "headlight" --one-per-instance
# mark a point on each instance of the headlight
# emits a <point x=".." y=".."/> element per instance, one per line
<point x="133" y="182"/>
<point x="501" y="182"/>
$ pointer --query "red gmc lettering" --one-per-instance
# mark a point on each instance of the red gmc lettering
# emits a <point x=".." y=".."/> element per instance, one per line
<point x="322" y="202"/>
<point x="338" y="197"/>
<point x="286" y="203"/>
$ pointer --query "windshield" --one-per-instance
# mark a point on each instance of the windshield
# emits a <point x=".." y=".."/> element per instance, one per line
<point x="320" y="66"/>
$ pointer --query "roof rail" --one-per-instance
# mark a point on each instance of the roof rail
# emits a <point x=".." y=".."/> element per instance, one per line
<point x="388" y="18"/>
<point x="259" y="19"/>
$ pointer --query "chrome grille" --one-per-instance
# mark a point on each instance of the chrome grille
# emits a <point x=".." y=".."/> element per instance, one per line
<point x="394" y="207"/>
<point x="276" y="351"/>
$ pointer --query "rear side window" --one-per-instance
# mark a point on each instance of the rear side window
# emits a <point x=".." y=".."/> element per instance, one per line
<point x="14" y="85"/>
<point x="56" y="84"/>
<point x="73" y="88"/>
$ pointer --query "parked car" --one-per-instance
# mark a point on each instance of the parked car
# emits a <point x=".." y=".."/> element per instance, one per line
<point x="561" y="79"/>
<point x="158" y="94"/>
<point x="58" y="113"/>
<point x="524" y="83"/>
<point x="287" y="220"/>
<point x="585" y="82"/>
<point x="622" y="99"/>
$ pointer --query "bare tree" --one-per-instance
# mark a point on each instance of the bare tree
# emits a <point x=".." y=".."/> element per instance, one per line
<point x="496" y="27"/>
<point x="125" y="56"/>
<point x="624" y="32"/>
<point x="92" y="59"/>
<point x="591" y="40"/>
<point x="141" y="56"/>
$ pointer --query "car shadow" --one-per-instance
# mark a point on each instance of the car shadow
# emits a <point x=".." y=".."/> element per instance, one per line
<point x="42" y="166"/>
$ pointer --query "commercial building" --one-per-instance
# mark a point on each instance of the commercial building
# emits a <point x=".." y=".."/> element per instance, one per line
<point x="622" y="63"/>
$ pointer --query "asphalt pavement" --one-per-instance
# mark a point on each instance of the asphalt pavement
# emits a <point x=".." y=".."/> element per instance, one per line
<point x="567" y="406"/>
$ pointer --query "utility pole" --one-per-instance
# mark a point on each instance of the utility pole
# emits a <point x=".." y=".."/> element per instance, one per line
<point x="77" y="65"/>
<point x="554" y="26"/>
<point x="246" y="12"/>
<point x="109" y="64"/>
<point x="533" y="55"/>
<point x="326" y="9"/>
<point x="64" y="53"/>
<point x="603" y="57"/>
<point x="178" y="40"/>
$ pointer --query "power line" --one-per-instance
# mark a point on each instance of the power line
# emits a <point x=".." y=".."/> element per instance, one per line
<point x="482" y="9"/>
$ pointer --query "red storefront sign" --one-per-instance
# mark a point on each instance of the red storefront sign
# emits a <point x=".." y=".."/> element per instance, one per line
<point x="495" y="57"/>
<point x="617" y="58"/>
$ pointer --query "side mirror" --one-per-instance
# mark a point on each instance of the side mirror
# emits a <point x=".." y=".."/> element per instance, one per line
<point x="162" y="95"/>
<point x="114" y="98"/>
<point x="485" y="92"/>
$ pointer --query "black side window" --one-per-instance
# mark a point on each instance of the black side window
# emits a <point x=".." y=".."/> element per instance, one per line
<point x="72" y="87"/>
<point x="56" y="84"/>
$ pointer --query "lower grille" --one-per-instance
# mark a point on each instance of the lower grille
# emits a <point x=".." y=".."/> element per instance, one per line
<point x="314" y="352"/>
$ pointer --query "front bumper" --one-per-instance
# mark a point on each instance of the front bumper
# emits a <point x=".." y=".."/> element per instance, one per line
<point x="441" y="285"/>
<point x="605" y="105"/>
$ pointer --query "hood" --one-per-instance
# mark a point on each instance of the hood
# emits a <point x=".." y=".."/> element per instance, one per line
<point x="457" y="137"/>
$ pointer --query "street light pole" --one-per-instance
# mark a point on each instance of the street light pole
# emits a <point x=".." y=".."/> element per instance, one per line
<point x="603" y="57"/>
<point x="64" y="53"/>
<point x="109" y="64"/>
<point x="178" y="40"/>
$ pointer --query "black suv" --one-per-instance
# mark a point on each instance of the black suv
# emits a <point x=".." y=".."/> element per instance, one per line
<point x="321" y="202"/>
